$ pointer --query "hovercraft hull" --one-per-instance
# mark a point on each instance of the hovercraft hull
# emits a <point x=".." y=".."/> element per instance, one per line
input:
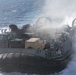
<point x="20" y="62"/>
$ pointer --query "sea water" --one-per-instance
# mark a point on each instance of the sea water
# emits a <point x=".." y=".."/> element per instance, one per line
<point x="19" y="11"/>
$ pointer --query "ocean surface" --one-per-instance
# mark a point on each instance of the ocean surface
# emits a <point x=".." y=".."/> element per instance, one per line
<point x="21" y="12"/>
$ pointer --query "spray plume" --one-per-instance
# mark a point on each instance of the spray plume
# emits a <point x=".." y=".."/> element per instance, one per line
<point x="46" y="29"/>
<point x="59" y="13"/>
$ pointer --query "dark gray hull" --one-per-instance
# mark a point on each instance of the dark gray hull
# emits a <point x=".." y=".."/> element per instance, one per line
<point x="20" y="62"/>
